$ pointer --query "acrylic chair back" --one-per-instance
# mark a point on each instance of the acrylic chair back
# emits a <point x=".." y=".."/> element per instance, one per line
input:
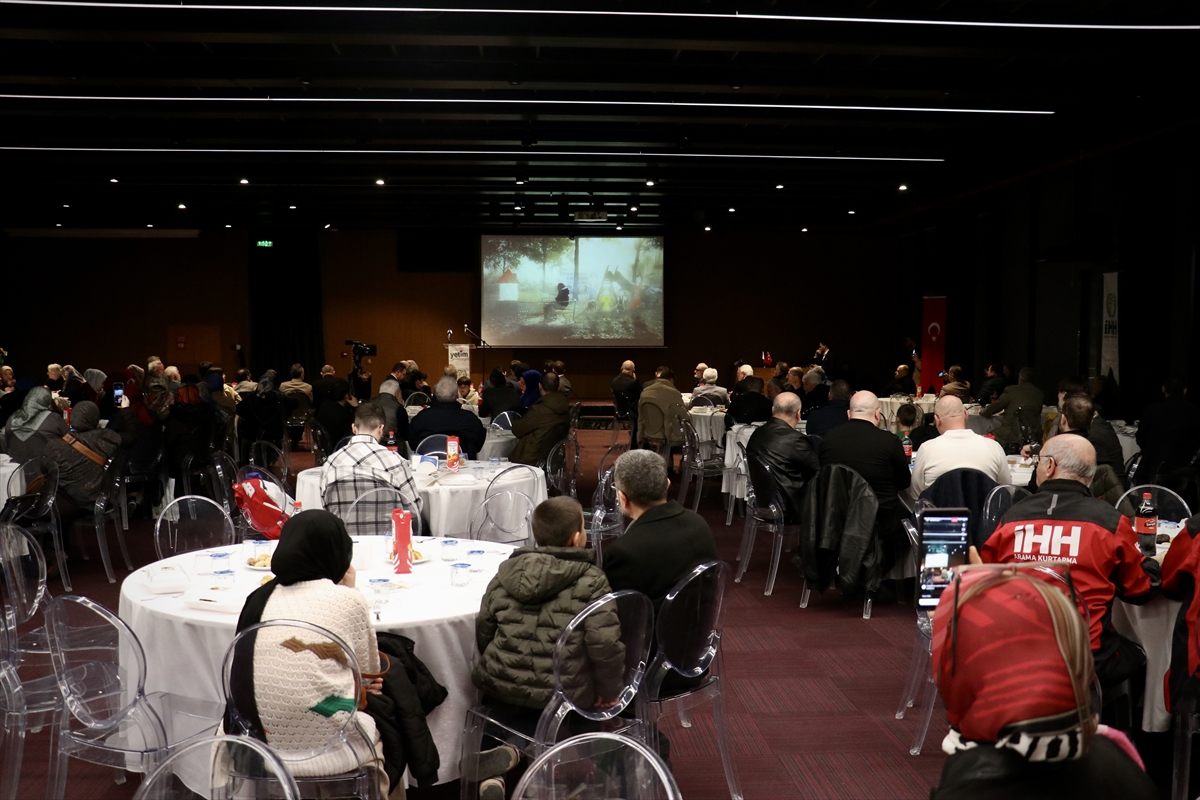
<point x="431" y="444"/>
<point x="998" y="501"/>
<point x="331" y="669"/>
<point x="36" y="482"/>
<point x="598" y="765"/>
<point x="1171" y="507"/>
<point x="192" y="523"/>
<point x="12" y="727"/>
<point x="266" y="455"/>
<point x="218" y="768"/>
<point x="504" y="420"/>
<point x="22" y="583"/>
<point x="689" y="625"/>
<point x="371" y="512"/>
<point x="507" y="478"/>
<point x="103" y="686"/>
<point x="503" y="517"/>
<point x="602" y="654"/>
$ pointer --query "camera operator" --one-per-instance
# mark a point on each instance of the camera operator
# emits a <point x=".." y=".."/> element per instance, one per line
<point x="360" y="379"/>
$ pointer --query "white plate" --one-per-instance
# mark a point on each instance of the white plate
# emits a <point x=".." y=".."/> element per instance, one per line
<point x="258" y="569"/>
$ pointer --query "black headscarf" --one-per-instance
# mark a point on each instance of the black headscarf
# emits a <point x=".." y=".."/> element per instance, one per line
<point x="312" y="545"/>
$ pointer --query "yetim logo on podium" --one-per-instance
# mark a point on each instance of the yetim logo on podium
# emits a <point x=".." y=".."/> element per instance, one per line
<point x="1049" y="542"/>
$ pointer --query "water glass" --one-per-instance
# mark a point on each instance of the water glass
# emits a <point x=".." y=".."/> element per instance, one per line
<point x="223" y="578"/>
<point x="220" y="562"/>
<point x="494" y="461"/>
<point x="476" y="559"/>
<point x="449" y="549"/>
<point x="460" y="574"/>
<point x="202" y="564"/>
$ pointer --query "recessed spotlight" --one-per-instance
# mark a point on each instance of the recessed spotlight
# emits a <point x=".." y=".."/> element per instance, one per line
<point x="650" y="182"/>
<point x="379" y="182"/>
<point x="619" y="227"/>
<point x="149" y="226"/>
<point x="707" y="228"/>
<point x="520" y="182"/>
<point x="736" y="86"/>
<point x="243" y="181"/>
<point x="633" y="208"/>
<point x="804" y="230"/>
<point x="516" y="208"/>
<point x="181" y="205"/>
<point x="293" y="208"/>
<point x="65" y="205"/>
<point x="514" y="83"/>
<point x="112" y="180"/>
<point x="228" y="226"/>
<point x="779" y="186"/>
<point x="903" y="188"/>
<point x="327" y="225"/>
<point x="849" y="212"/>
<point x="731" y="210"/>
<point x="59" y="225"/>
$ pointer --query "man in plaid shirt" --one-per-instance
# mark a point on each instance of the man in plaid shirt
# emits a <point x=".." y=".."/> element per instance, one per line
<point x="364" y="464"/>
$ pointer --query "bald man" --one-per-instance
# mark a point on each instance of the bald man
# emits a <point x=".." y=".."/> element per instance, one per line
<point x="1063" y="522"/>
<point x="878" y="456"/>
<point x="956" y="448"/>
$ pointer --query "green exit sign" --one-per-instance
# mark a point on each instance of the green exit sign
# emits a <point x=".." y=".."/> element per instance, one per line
<point x="265" y="243"/>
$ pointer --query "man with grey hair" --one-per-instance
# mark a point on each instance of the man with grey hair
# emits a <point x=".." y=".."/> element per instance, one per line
<point x="956" y="448"/>
<point x="814" y="391"/>
<point x="1064" y="522"/>
<point x="878" y="457"/>
<point x="709" y="388"/>
<point x="1024" y="395"/>
<point x="664" y="540"/>
<point x="790" y="454"/>
<point x="395" y="416"/>
<point x="445" y="415"/>
<point x="172" y="377"/>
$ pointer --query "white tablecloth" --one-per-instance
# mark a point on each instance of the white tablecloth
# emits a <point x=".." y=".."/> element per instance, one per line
<point x="498" y="443"/>
<point x="1127" y="437"/>
<point x="738" y="434"/>
<point x="710" y="427"/>
<point x="446" y="507"/>
<point x="185" y="647"/>
<point x="7" y="468"/>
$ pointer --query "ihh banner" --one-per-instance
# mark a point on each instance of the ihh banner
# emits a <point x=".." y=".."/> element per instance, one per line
<point x="1108" y="349"/>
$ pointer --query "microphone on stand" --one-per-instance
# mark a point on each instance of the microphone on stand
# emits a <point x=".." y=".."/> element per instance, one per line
<point x="449" y="333"/>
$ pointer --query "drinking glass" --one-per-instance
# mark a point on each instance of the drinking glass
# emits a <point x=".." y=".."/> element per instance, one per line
<point x="476" y="559"/>
<point x="449" y="549"/>
<point x="460" y="574"/>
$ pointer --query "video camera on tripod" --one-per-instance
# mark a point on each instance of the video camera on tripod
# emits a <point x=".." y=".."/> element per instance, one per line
<point x="361" y="349"/>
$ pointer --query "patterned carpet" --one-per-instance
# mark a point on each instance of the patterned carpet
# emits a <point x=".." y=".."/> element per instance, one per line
<point x="812" y="692"/>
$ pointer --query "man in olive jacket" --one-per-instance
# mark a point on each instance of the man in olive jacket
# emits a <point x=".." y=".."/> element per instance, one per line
<point x="536" y="592"/>
<point x="546" y="421"/>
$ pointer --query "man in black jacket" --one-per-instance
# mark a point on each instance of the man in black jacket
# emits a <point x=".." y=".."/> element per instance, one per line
<point x="445" y="415"/>
<point x="878" y="457"/>
<point x="322" y="388"/>
<point x="664" y="542"/>
<point x="749" y="406"/>
<point x="1169" y="432"/>
<point x="499" y="396"/>
<point x="835" y="412"/>
<point x="627" y="390"/>
<point x="791" y="454"/>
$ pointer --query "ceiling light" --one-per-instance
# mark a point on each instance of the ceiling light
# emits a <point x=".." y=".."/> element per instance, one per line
<point x="526" y="141"/>
<point x="293" y="208"/>
<point x="903" y="188"/>
<point x="707" y="228"/>
<point x="615" y="13"/>
<point x="228" y="226"/>
<point x="641" y="156"/>
<point x="65" y="205"/>
<point x="243" y="181"/>
<point x="516" y="208"/>
<point x="520" y="181"/>
<point x="112" y="180"/>
<point x="149" y="226"/>
<point x="849" y="212"/>
<point x="650" y="182"/>
<point x="779" y="186"/>
<point x="59" y="225"/>
<point x="736" y="86"/>
<point x="633" y="208"/>
<point x="379" y="182"/>
<point x="327" y="226"/>
<point x="181" y="205"/>
<point x="619" y="227"/>
<point x="731" y="210"/>
<point x="804" y="230"/>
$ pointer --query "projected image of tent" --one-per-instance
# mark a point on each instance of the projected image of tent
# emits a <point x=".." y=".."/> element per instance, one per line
<point x="547" y="290"/>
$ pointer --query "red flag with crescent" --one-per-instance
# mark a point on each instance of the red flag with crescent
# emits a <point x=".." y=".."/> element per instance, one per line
<point x="933" y="342"/>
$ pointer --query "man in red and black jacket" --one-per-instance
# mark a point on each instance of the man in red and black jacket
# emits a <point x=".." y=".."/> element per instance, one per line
<point x="1064" y="522"/>
<point x="1181" y="572"/>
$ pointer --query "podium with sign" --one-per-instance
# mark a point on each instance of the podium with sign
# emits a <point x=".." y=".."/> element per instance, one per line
<point x="459" y="357"/>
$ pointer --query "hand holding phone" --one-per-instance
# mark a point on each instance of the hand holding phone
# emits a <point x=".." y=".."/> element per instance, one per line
<point x="944" y="550"/>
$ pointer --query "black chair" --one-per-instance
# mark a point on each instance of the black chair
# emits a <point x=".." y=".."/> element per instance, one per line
<point x="962" y="488"/>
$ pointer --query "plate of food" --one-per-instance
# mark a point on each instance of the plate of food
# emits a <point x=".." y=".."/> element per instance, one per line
<point x="260" y="564"/>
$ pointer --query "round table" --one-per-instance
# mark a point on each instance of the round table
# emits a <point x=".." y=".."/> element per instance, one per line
<point x="890" y="405"/>
<point x="1127" y="436"/>
<point x="186" y="646"/>
<point x="7" y="467"/>
<point x="738" y="434"/>
<point x="710" y="427"/>
<point x="499" y="444"/>
<point x="448" y="503"/>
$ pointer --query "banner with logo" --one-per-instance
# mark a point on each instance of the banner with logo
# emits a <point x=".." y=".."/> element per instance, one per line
<point x="933" y="342"/>
<point x="460" y="358"/>
<point x="1108" y="346"/>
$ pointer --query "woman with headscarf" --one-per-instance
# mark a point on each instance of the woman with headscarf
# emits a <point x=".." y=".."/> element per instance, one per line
<point x="34" y="424"/>
<point x="192" y="426"/>
<point x="140" y="430"/>
<point x="80" y="474"/>
<point x="281" y="694"/>
<point x="528" y="384"/>
<point x="1012" y="659"/>
<point x="73" y="386"/>
<point x="94" y="385"/>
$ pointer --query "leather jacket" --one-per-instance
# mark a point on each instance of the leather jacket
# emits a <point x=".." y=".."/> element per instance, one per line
<point x="793" y="459"/>
<point x="837" y="532"/>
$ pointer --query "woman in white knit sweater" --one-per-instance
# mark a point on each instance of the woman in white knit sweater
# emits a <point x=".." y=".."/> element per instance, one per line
<point x="296" y="695"/>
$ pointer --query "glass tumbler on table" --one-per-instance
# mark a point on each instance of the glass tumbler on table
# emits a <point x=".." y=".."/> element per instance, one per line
<point x="460" y="574"/>
<point x="449" y="549"/>
<point x="475" y="557"/>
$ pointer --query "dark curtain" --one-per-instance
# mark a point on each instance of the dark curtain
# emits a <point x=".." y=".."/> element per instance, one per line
<point x="285" y="303"/>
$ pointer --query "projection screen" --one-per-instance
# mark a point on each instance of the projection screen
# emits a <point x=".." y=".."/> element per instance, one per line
<point x="586" y="291"/>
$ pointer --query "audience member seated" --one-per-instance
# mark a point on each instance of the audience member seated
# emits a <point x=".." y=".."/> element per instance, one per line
<point x="54" y="378"/>
<point x="743" y="373"/>
<point x="560" y="369"/>
<point x="364" y="464"/>
<point x="535" y="593"/>
<point x="1064" y="521"/>
<point x="92" y="385"/>
<point x="708" y="388"/>
<point x="956" y="385"/>
<point x="902" y="382"/>
<point x="777" y="386"/>
<point x="155" y="379"/>
<point x="140" y="428"/>
<point x="835" y="412"/>
<point x="263" y="413"/>
<point x="323" y="387"/>
<point x="8" y="380"/>
<point x="1169" y="432"/>
<point x="956" y="448"/>
<point x="528" y="383"/>
<point x="1041" y="741"/>
<point x="793" y="381"/>
<point x="499" y="396"/>
<point x="297" y="382"/>
<point x="993" y="385"/>
<point x="543" y="425"/>
<point x="173" y="378"/>
<point x="191" y="427"/>
<point x="74" y="386"/>
<point x="906" y="420"/>
<point x="925" y="432"/>
<point x="1024" y="394"/>
<point x="314" y="583"/>
<point x="467" y="396"/>
<point x="790" y="453"/>
<point x="445" y="415"/>
<point x="668" y="402"/>
<point x="879" y="458"/>
<point x="395" y="418"/>
<point x="514" y="372"/>
<point x="749" y="406"/>
<point x="698" y="374"/>
<point x="1106" y="395"/>
<point x="664" y="541"/>
<point x="815" y="393"/>
<point x="1180" y="576"/>
<point x="242" y="382"/>
<point x="80" y="457"/>
<point x="627" y="390"/>
<point x="37" y="422"/>
<point x="336" y="412"/>
<point x="221" y="392"/>
<point x="1077" y="415"/>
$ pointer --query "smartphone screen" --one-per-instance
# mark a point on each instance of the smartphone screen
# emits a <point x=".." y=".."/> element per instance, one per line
<point x="118" y="390"/>
<point x="943" y="551"/>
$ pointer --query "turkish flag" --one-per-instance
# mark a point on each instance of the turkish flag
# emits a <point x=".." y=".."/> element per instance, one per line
<point x="933" y="342"/>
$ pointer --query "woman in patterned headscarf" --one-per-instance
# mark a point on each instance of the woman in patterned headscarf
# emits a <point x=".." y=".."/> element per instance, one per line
<point x="35" y="423"/>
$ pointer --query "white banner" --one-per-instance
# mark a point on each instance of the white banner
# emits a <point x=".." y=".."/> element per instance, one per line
<point x="460" y="358"/>
<point x="1108" y="350"/>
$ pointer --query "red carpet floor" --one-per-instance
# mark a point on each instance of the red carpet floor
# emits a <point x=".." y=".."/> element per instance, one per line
<point x="812" y="691"/>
